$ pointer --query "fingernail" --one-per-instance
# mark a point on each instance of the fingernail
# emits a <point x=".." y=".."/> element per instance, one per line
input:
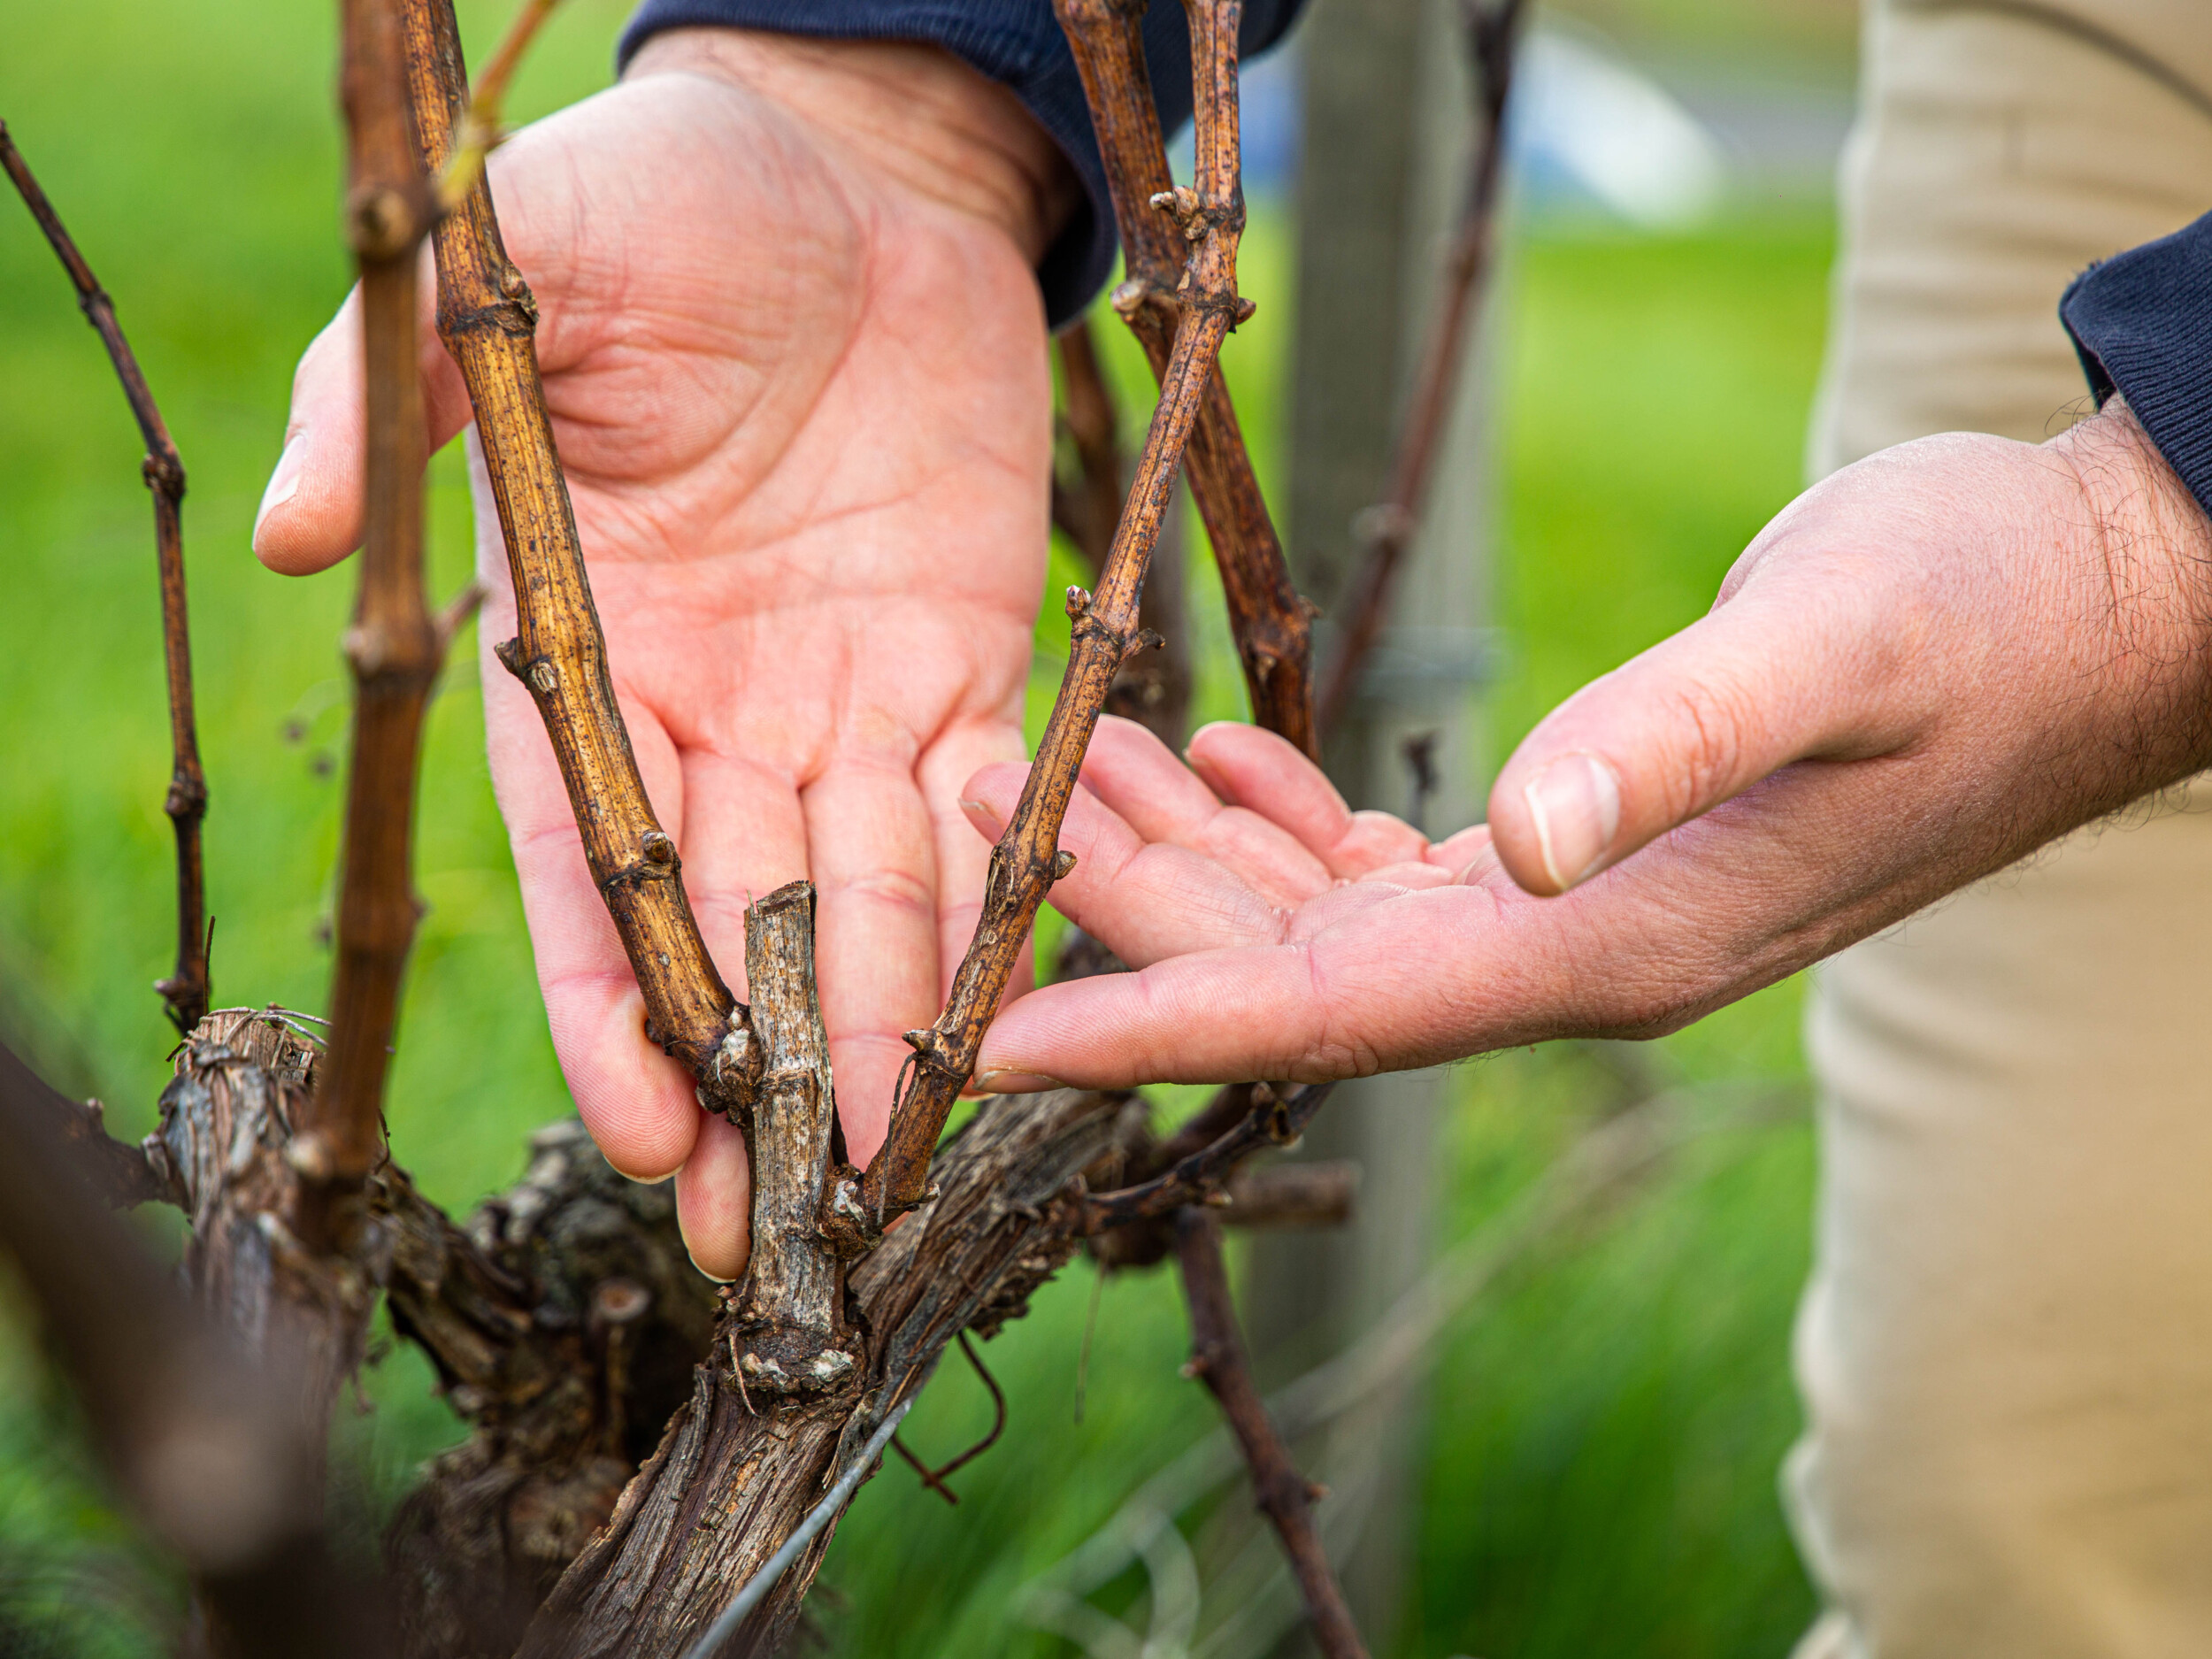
<point x="716" y="1277"/>
<point x="284" y="483"/>
<point x="1015" y="1082"/>
<point x="1576" y="803"/>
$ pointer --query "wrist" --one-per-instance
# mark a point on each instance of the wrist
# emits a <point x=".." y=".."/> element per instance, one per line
<point x="911" y="113"/>
<point x="2151" y="534"/>
<point x="2149" y="545"/>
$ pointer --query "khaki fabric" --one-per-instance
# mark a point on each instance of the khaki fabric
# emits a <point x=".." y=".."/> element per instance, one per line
<point x="2005" y="1351"/>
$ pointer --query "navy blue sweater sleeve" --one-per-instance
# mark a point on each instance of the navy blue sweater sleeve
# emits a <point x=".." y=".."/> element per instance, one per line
<point x="1016" y="42"/>
<point x="2142" y="322"/>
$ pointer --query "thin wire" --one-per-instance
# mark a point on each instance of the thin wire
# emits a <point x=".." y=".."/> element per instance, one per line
<point x="760" y="1583"/>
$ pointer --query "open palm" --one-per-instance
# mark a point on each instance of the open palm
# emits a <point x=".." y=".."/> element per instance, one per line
<point x="1928" y="665"/>
<point x="805" y="418"/>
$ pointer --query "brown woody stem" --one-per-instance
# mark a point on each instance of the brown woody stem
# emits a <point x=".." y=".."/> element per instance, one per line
<point x="1386" y="530"/>
<point x="121" y="1174"/>
<point x="393" y="645"/>
<point x="487" y="105"/>
<point x="1154" y="687"/>
<point x="1089" y="508"/>
<point x="1271" y="623"/>
<point x="1027" y="860"/>
<point x="1218" y="1360"/>
<point x="487" y="318"/>
<point x="1272" y="1121"/>
<point x="1292" y="1195"/>
<point x="185" y="991"/>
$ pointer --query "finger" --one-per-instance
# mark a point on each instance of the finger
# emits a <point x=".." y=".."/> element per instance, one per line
<point x="1460" y="853"/>
<point x="1143" y="900"/>
<point x="1361" y="998"/>
<point x="963" y="857"/>
<point x="714" y="1200"/>
<point x="1259" y="771"/>
<point x="964" y="853"/>
<point x="1411" y="876"/>
<point x="743" y="836"/>
<point x="309" y="516"/>
<point x="870" y="848"/>
<point x="1135" y="775"/>
<point x="638" y="1104"/>
<point x="1789" y="670"/>
<point x="1770" y="881"/>
<point x="1164" y="799"/>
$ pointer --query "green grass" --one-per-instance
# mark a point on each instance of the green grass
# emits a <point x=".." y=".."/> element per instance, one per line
<point x="1606" y="1427"/>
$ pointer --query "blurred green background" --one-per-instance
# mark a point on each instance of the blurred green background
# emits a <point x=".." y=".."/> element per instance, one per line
<point x="1607" y="1421"/>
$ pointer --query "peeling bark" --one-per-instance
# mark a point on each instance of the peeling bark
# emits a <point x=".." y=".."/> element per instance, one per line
<point x="792" y="1334"/>
<point x="736" y="1474"/>
<point x="565" y="1322"/>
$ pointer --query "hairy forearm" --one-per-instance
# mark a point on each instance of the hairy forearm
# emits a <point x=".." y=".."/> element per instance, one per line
<point x="913" y="114"/>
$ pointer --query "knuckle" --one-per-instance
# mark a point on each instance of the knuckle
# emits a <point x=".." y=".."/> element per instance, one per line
<point x="902" y="890"/>
<point x="1716" y="718"/>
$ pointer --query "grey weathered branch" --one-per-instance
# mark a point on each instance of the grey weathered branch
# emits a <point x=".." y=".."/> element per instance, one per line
<point x="227" y="1145"/>
<point x="791" y="1333"/>
<point x="564" y="1320"/>
<point x="185" y="991"/>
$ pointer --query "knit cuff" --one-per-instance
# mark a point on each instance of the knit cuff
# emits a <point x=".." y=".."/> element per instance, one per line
<point x="1018" y="43"/>
<point x="2142" y="324"/>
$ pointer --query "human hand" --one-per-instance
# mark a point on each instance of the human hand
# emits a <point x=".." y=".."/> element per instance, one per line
<point x="1923" y="668"/>
<point x="795" y="357"/>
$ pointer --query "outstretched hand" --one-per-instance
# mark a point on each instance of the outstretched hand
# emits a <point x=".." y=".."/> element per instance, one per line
<point x="795" y="356"/>
<point x="1925" y="667"/>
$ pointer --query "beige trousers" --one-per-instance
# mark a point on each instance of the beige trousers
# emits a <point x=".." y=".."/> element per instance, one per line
<point x="2005" y="1351"/>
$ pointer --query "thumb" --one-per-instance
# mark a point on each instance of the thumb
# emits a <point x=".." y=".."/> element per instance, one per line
<point x="1786" y="669"/>
<point x="310" y="512"/>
